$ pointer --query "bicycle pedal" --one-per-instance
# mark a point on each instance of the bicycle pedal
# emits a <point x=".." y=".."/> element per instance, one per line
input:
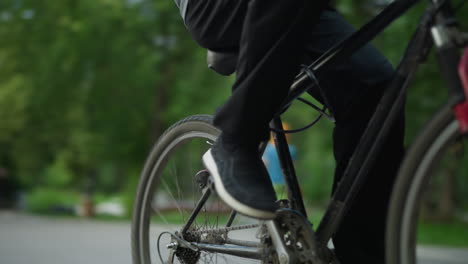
<point x="284" y="204"/>
<point x="202" y="178"/>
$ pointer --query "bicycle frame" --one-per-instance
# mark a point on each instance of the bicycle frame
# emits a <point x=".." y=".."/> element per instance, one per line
<point x="436" y="22"/>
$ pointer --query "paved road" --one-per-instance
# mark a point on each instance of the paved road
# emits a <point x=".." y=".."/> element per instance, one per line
<point x="26" y="239"/>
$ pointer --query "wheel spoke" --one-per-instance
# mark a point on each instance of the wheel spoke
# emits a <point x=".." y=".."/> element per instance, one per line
<point x="168" y="190"/>
<point x="158" y="212"/>
<point x="178" y="205"/>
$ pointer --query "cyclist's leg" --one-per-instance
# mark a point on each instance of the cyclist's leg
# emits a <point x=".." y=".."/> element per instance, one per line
<point x="352" y="98"/>
<point x="270" y="52"/>
<point x="216" y="24"/>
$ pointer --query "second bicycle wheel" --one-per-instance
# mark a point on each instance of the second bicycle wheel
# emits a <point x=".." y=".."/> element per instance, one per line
<point x="174" y="205"/>
<point x="423" y="215"/>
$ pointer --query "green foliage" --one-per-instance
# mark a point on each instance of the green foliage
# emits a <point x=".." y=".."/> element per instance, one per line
<point x="453" y="234"/>
<point x="58" y="174"/>
<point x="47" y="200"/>
<point x="13" y="101"/>
<point x="87" y="86"/>
<point x="129" y="194"/>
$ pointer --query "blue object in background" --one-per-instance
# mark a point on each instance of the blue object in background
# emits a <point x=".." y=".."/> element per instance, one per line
<point x="271" y="159"/>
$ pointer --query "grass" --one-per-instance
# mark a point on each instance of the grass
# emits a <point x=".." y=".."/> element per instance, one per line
<point x="450" y="234"/>
<point x="453" y="234"/>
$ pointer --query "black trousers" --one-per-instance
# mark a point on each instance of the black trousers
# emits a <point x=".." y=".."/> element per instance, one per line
<point x="274" y="38"/>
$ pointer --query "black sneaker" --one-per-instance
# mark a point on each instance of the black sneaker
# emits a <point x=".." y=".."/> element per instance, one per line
<point x="241" y="179"/>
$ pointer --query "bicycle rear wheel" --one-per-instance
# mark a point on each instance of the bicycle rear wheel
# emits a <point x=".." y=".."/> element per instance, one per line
<point x="422" y="216"/>
<point x="174" y="202"/>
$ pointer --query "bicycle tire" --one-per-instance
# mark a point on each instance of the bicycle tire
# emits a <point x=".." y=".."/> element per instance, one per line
<point x="415" y="175"/>
<point x="193" y="131"/>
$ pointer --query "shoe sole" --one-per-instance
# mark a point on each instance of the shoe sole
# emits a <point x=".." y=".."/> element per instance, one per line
<point x="210" y="164"/>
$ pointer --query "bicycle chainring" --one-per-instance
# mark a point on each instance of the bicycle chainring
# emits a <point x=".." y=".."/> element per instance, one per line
<point x="298" y="236"/>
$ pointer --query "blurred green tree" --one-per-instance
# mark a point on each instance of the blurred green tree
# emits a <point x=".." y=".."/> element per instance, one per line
<point x="87" y="86"/>
<point x="91" y="84"/>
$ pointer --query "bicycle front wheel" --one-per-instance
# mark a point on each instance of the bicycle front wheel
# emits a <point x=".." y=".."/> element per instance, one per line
<point x="175" y="208"/>
<point x="423" y="215"/>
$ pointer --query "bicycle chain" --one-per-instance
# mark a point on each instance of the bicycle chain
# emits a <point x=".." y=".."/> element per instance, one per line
<point x="225" y="229"/>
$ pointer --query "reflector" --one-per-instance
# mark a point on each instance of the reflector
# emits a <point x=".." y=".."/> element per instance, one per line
<point x="463" y="71"/>
<point x="461" y="110"/>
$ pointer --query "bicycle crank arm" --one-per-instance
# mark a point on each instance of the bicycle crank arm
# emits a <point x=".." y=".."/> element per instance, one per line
<point x="284" y="255"/>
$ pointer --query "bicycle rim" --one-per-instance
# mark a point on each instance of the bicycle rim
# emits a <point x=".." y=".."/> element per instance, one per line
<point x="424" y="214"/>
<point x="169" y="192"/>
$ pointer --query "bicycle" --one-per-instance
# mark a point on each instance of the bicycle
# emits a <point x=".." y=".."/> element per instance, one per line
<point x="200" y="228"/>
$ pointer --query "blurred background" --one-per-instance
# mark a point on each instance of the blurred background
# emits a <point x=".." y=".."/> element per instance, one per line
<point x="86" y="87"/>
